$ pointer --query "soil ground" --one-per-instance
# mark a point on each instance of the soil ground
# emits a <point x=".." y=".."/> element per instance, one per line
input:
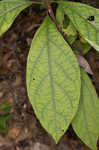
<point x="25" y="131"/>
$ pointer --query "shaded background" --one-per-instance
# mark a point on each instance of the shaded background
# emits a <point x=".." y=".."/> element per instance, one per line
<point x="25" y="131"/>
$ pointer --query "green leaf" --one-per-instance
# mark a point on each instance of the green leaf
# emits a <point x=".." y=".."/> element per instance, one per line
<point x="5" y="108"/>
<point x="9" y="10"/>
<point x="80" y="15"/>
<point x="53" y="79"/>
<point x="70" y="30"/>
<point x="5" y="115"/>
<point x="60" y="15"/>
<point x="3" y="125"/>
<point x="84" y="47"/>
<point x="86" y="121"/>
<point x="67" y="26"/>
<point x="71" y="33"/>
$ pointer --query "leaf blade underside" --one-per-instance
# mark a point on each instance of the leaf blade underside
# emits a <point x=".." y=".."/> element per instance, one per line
<point x="9" y="10"/>
<point x="86" y="122"/>
<point x="80" y="15"/>
<point x="53" y="80"/>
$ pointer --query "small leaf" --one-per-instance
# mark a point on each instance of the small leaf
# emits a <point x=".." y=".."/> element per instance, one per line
<point x="81" y="47"/>
<point x="5" y="108"/>
<point x="3" y="125"/>
<point x="85" y="19"/>
<point x="70" y="30"/>
<point x="86" y="121"/>
<point x="67" y="26"/>
<point x="9" y="10"/>
<point x="53" y="80"/>
<point x="60" y="15"/>
<point x="71" y="33"/>
<point x="5" y="115"/>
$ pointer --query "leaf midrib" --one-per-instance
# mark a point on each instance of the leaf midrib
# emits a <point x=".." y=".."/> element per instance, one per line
<point x="51" y="76"/>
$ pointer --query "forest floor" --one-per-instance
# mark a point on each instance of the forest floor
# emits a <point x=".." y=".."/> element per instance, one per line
<point x="25" y="131"/>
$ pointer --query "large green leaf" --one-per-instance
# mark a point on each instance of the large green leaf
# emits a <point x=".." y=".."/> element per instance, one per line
<point x="53" y="80"/>
<point x="9" y="10"/>
<point x="86" y="121"/>
<point x="81" y="15"/>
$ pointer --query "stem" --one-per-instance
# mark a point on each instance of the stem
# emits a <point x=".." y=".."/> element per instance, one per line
<point x="51" y="13"/>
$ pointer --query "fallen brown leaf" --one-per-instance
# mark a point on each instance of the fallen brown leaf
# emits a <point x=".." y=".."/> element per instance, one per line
<point x="84" y="64"/>
<point x="13" y="133"/>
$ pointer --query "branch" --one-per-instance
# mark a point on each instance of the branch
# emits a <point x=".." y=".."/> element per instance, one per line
<point x="51" y="13"/>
